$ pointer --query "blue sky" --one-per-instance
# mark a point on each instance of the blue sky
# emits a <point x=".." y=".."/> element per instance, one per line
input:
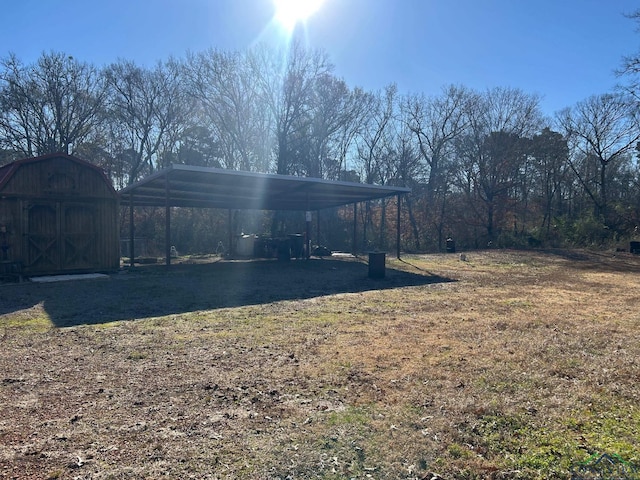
<point x="563" y="50"/>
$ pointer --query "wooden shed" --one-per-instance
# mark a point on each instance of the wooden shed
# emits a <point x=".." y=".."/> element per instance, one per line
<point x="58" y="214"/>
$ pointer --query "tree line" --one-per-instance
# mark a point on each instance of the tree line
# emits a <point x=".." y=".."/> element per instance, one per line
<point x="485" y="167"/>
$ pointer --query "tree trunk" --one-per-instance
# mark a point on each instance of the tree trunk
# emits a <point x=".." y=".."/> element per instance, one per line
<point x="490" y="220"/>
<point x="603" y="192"/>
<point x="412" y="221"/>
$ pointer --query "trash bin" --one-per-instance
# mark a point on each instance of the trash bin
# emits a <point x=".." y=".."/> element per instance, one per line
<point x="376" y="264"/>
<point x="450" y="245"/>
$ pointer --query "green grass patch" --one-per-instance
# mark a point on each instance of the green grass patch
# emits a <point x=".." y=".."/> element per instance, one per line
<point x="32" y="324"/>
<point x="352" y="416"/>
<point x="552" y="449"/>
<point x="614" y="430"/>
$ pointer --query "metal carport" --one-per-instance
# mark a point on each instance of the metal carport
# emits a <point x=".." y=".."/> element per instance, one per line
<point x="205" y="187"/>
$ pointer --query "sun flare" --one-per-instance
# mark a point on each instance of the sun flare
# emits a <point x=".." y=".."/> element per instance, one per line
<point x="291" y="12"/>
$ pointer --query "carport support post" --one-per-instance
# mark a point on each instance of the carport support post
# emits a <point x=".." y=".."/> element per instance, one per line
<point x="318" y="227"/>
<point x="355" y="229"/>
<point x="230" y="223"/>
<point x="308" y="217"/>
<point x="131" y="233"/>
<point x="167" y="215"/>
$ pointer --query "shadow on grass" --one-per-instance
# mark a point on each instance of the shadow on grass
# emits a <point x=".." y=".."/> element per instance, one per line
<point x="154" y="291"/>
<point x="411" y="265"/>
<point x="604" y="261"/>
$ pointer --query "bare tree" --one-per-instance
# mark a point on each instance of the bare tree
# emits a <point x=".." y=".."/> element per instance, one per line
<point x="230" y="102"/>
<point x="287" y="83"/>
<point x="148" y="111"/>
<point x="436" y="122"/>
<point x="630" y="65"/>
<point x="601" y="131"/>
<point x="374" y="143"/>
<point x="550" y="155"/>
<point x="492" y="153"/>
<point x="335" y="113"/>
<point x="50" y="106"/>
<point x="359" y="104"/>
<point x="376" y="133"/>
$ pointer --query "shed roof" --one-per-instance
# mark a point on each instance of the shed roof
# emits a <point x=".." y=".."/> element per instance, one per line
<point x="8" y="170"/>
<point x="191" y="186"/>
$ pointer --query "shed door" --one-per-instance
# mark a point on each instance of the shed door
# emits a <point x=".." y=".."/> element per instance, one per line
<point x="43" y="246"/>
<point x="79" y="238"/>
<point x="61" y="236"/>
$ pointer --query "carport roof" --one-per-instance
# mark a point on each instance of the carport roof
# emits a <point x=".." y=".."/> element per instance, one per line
<point x="204" y="187"/>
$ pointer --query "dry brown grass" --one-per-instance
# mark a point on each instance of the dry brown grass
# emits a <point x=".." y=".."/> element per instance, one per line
<point x="508" y="365"/>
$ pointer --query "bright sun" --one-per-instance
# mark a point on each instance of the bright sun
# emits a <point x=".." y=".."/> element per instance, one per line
<point x="290" y="12"/>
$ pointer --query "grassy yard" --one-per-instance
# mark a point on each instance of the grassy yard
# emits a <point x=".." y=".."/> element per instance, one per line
<point x="510" y="365"/>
